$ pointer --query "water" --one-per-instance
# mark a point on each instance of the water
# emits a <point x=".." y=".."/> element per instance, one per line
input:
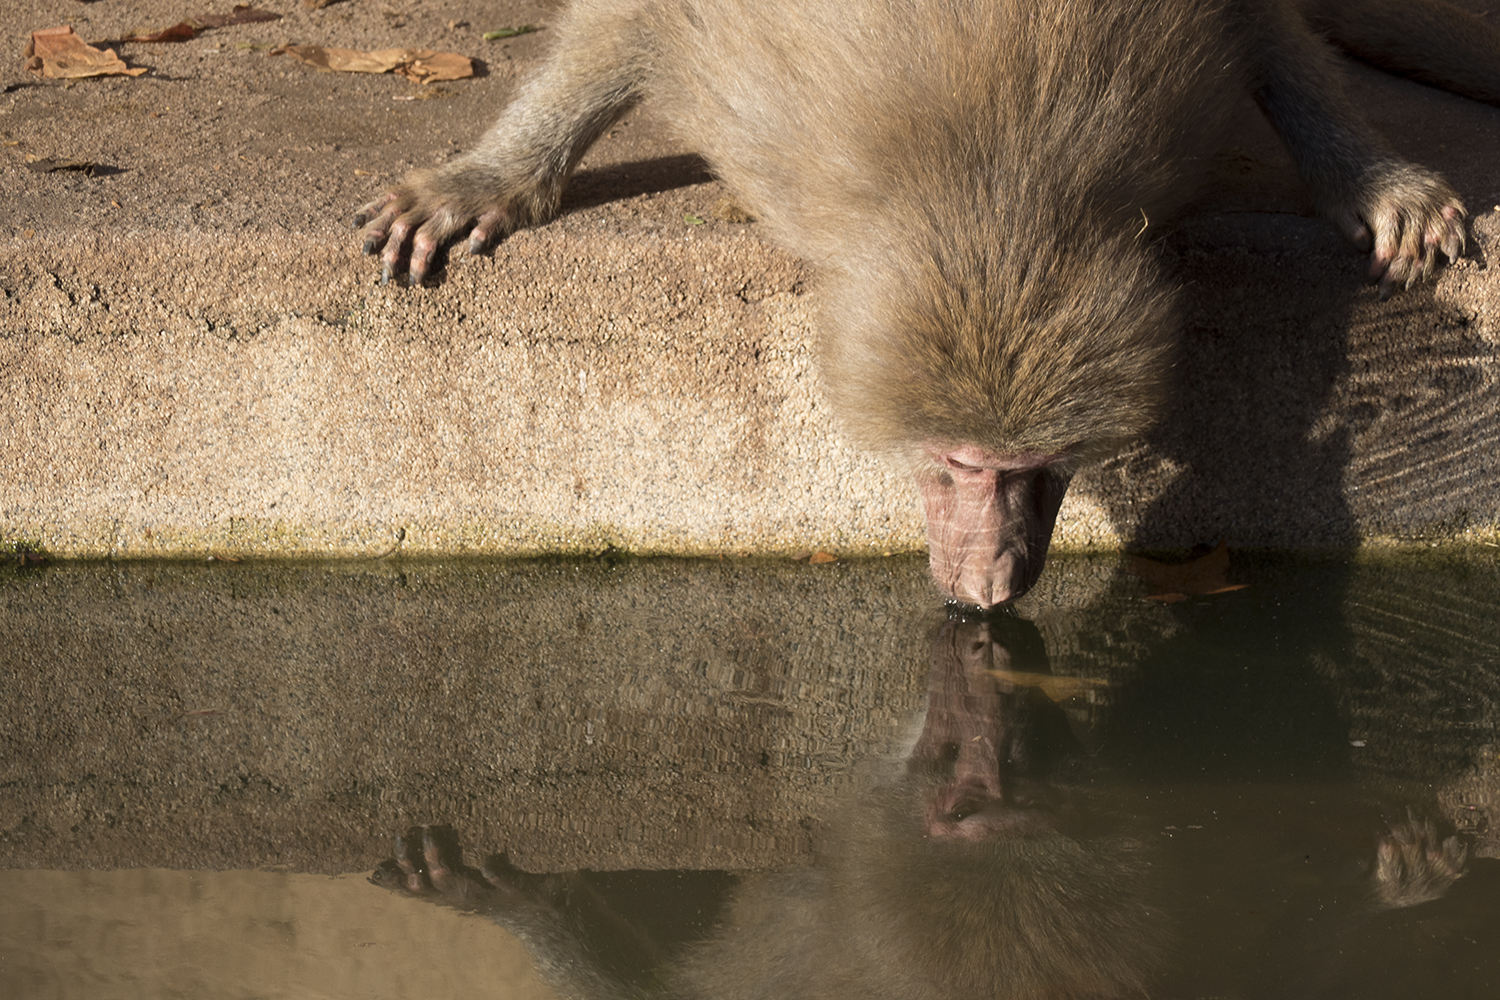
<point x="742" y="778"/>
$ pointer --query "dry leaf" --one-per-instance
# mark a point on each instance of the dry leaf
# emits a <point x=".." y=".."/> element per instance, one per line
<point x="1176" y="582"/>
<point x="48" y="165"/>
<point x="241" y="14"/>
<point x="59" y="54"/>
<point x="499" y="33"/>
<point x="420" y="65"/>
<point x="179" y="32"/>
<point x="818" y="558"/>
<point x="1054" y="687"/>
<point x="430" y="67"/>
<point x="189" y="27"/>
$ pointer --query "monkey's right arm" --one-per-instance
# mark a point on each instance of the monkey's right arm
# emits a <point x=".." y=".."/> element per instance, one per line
<point x="581" y="946"/>
<point x="515" y="176"/>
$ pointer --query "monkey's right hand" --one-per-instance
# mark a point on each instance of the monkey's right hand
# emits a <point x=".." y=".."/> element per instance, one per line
<point x="427" y="212"/>
<point x="429" y="862"/>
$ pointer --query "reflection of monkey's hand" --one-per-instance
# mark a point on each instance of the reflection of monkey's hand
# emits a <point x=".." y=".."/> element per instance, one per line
<point x="429" y="862"/>
<point x="1412" y="865"/>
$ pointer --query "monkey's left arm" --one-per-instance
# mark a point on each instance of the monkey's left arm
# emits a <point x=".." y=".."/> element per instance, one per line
<point x="1405" y="214"/>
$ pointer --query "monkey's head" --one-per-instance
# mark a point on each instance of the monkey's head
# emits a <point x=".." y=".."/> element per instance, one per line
<point x="996" y="370"/>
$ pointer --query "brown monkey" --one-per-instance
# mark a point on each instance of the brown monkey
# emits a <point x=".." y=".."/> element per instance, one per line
<point x="975" y="180"/>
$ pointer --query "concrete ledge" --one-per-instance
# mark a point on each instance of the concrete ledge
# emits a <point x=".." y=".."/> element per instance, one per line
<point x="194" y="358"/>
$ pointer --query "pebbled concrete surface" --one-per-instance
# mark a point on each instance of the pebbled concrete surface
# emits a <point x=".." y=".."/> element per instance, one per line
<point x="194" y="358"/>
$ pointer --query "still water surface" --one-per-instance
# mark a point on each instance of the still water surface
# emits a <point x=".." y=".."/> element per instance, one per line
<point x="735" y="779"/>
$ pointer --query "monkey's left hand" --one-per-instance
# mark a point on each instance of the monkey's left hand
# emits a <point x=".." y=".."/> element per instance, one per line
<point x="1405" y="215"/>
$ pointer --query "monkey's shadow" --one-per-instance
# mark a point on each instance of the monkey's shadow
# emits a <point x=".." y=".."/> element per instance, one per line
<point x="622" y="181"/>
<point x="1306" y="412"/>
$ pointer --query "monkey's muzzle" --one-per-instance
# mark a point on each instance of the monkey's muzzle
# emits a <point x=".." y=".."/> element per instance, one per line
<point x="988" y="529"/>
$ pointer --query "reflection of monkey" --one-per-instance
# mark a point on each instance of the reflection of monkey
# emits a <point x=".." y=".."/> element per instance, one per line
<point x="981" y="183"/>
<point x="972" y="869"/>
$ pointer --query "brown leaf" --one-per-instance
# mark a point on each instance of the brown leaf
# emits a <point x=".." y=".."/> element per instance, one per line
<point x="421" y="65"/>
<point x="819" y="558"/>
<point x="242" y="14"/>
<point x="1176" y="582"/>
<point x="179" y="32"/>
<point x="435" y="66"/>
<point x="59" y="54"/>
<point x="50" y="166"/>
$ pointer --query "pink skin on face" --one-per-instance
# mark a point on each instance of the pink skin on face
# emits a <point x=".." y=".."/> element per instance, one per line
<point x="990" y="519"/>
<point x="967" y="740"/>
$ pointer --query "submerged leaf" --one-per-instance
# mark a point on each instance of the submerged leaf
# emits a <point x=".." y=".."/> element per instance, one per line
<point x="1172" y="582"/>
<point x="1055" y="687"/>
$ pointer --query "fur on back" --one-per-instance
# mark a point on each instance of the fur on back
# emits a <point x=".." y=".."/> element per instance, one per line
<point x="980" y="182"/>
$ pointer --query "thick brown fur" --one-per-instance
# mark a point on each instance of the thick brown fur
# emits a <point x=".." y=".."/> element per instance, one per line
<point x="981" y="184"/>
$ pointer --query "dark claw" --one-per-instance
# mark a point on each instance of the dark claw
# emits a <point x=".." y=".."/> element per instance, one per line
<point x="386" y="272"/>
<point x="372" y="246"/>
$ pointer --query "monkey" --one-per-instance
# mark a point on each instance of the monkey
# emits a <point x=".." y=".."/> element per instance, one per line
<point x="979" y="185"/>
<point x="986" y="859"/>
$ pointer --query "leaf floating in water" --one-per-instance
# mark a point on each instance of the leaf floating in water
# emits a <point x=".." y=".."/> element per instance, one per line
<point x="1173" y="582"/>
<point x="499" y="33"/>
<point x="1056" y="688"/>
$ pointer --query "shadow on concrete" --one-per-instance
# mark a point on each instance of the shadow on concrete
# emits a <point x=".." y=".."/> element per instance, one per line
<point x="621" y="181"/>
<point x="1242" y="453"/>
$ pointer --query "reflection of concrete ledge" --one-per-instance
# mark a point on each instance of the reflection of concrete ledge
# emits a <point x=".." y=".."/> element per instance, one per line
<point x="663" y="713"/>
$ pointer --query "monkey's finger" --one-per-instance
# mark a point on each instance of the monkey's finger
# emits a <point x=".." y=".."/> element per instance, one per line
<point x="487" y="228"/>
<point x="1355" y="230"/>
<point x="378" y="231"/>
<point x="1453" y="237"/>
<point x="442" y="856"/>
<point x="395" y="248"/>
<point x="437" y="231"/>
<point x="1385" y="226"/>
<point x="409" y="860"/>
<point x="1406" y="263"/>
<point x="388" y="875"/>
<point x="374" y="209"/>
<point x="1455" y="854"/>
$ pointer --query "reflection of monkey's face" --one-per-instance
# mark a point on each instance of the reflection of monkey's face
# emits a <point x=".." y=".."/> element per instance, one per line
<point x="989" y="746"/>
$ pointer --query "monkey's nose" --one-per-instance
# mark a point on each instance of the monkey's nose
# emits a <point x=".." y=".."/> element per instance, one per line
<point x="993" y="581"/>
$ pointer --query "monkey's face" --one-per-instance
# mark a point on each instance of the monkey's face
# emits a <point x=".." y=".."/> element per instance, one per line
<point x="990" y="519"/>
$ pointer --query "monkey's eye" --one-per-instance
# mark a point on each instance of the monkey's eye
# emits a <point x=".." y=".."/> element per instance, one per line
<point x="958" y="466"/>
